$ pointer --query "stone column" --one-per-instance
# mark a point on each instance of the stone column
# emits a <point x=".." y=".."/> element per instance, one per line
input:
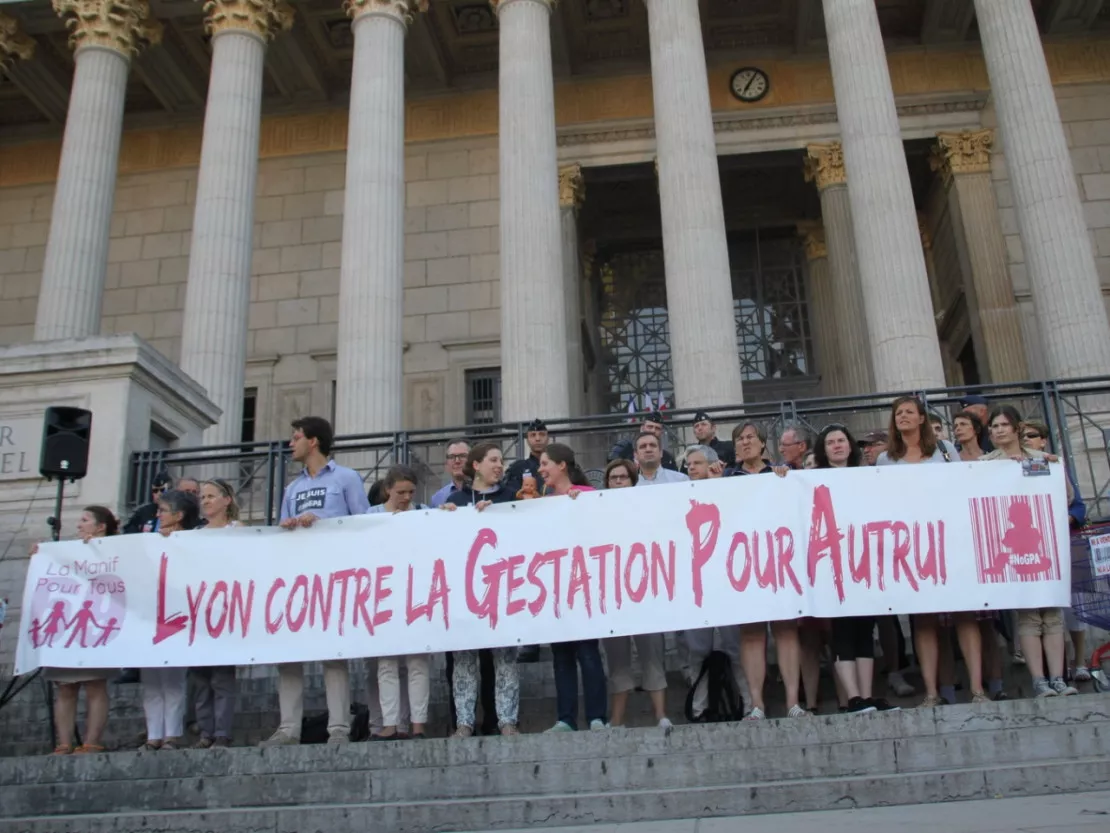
<point x="369" y="375"/>
<point x="1059" y="261"/>
<point x="904" y="348"/>
<point x="217" y="299"/>
<point x="822" y="317"/>
<point x="705" y="361"/>
<point x="572" y="191"/>
<point x="104" y="35"/>
<point x="964" y="163"/>
<point x="825" y="168"/>
<point x="533" y="315"/>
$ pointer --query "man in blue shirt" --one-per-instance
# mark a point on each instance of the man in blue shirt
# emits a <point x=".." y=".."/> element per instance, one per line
<point x="457" y="450"/>
<point x="322" y="490"/>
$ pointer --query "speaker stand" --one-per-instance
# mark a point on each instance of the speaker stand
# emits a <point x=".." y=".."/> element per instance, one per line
<point x="55" y="521"/>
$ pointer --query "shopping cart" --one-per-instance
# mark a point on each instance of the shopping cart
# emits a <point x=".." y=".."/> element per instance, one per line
<point x="1090" y="587"/>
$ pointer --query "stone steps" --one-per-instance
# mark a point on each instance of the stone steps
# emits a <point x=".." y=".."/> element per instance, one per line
<point x="1017" y="748"/>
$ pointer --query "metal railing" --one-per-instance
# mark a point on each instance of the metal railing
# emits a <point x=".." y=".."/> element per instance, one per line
<point x="1077" y="411"/>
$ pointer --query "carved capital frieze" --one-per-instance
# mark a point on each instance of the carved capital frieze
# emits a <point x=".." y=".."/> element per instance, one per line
<point x="967" y="152"/>
<point x="825" y="165"/>
<point x="15" y="44"/>
<point x="124" y="26"/>
<point x="813" y="238"/>
<point x="402" y="10"/>
<point x="263" y="18"/>
<point x="572" y="188"/>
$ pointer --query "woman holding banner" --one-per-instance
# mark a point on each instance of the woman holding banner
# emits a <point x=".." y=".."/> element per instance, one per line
<point x="913" y="441"/>
<point x="393" y="697"/>
<point x="484" y="469"/>
<point x="215" y="690"/>
<point x="165" y="689"/>
<point x="95" y="522"/>
<point x="562" y="476"/>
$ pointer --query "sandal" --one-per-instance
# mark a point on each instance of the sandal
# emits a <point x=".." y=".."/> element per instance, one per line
<point x="204" y="743"/>
<point x="509" y="729"/>
<point x="88" y="749"/>
<point x="171" y="743"/>
<point x="464" y="732"/>
<point x="151" y="746"/>
<point x="63" y="749"/>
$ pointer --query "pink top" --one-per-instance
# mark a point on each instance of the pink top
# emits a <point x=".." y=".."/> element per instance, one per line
<point x="575" y="488"/>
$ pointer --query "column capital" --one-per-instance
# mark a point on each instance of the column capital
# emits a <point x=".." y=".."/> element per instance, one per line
<point x="498" y="5"/>
<point x="14" y="43"/>
<point x="401" y="10"/>
<point x="123" y="26"/>
<point x="572" y="188"/>
<point x="261" y="18"/>
<point x="966" y="152"/>
<point x="825" y="165"/>
<point x="813" y="238"/>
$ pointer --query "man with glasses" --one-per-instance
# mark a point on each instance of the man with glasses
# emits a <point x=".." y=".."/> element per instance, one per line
<point x="455" y="459"/>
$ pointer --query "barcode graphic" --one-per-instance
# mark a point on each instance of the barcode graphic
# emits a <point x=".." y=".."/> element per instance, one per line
<point x="1015" y="538"/>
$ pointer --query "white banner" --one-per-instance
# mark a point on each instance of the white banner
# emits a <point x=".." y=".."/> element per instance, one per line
<point x="903" y="539"/>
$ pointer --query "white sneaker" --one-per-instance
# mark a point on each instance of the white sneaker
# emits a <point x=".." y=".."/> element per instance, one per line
<point x="755" y="714"/>
<point x="1082" y="675"/>
<point x="280" y="738"/>
<point x="665" y="724"/>
<point x="897" y="683"/>
<point x="559" y="726"/>
<point x="798" y="711"/>
<point x="598" y="725"/>
<point x="1062" y="688"/>
<point x="338" y="736"/>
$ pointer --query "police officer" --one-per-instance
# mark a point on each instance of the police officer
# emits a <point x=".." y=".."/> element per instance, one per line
<point x="705" y="431"/>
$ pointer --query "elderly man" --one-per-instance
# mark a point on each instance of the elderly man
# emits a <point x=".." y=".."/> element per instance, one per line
<point x="793" y="445"/>
<point x="702" y="463"/>
<point x="872" y="445"/>
<point x="626" y="449"/>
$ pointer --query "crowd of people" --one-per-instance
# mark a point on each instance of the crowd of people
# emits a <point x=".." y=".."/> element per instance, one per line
<point x="399" y="687"/>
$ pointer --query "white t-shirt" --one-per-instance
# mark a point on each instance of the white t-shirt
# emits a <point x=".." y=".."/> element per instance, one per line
<point x="939" y="456"/>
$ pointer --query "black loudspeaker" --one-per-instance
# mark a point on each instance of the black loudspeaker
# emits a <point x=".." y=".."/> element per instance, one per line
<point x="65" y="443"/>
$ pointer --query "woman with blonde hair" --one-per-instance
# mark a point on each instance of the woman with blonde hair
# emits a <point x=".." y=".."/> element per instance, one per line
<point x="215" y="694"/>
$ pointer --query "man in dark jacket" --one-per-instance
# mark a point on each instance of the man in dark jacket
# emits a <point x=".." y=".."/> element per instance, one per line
<point x="537" y="440"/>
<point x="626" y="450"/>
<point x="145" y="518"/>
<point x="705" y="431"/>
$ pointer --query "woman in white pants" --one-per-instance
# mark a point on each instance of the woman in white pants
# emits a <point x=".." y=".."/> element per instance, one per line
<point x="400" y="487"/>
<point x="165" y="689"/>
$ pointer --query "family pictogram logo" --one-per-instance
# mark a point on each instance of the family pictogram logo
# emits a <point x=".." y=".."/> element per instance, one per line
<point x="80" y="604"/>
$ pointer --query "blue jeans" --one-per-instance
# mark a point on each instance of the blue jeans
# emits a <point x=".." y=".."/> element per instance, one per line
<point x="588" y="656"/>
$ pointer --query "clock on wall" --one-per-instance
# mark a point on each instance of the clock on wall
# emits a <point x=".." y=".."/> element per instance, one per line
<point x="750" y="84"/>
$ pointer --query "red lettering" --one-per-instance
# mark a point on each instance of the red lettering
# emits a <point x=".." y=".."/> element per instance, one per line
<point x="784" y="553"/>
<point x="440" y="593"/>
<point x="413" y="613"/>
<point x="739" y="584"/>
<point x="579" y="580"/>
<point x="704" y="542"/>
<point x="381" y="593"/>
<point x="318" y="601"/>
<point x="214" y="630"/>
<point x="512" y="584"/>
<point x="940" y="547"/>
<point x="363" y="584"/>
<point x="486" y="607"/>
<point x="536" y="605"/>
<point x="194" y="608"/>
<point x="296" y="621"/>
<point x="166" y="626"/>
<point x="599" y="553"/>
<point x="273" y="625"/>
<point x="824" y="540"/>
<point x="662" y="569"/>
<point x="861" y="570"/>
<point x="240" y="607"/>
<point x="927" y="569"/>
<point x="555" y="558"/>
<point x="902" y="553"/>
<point x="344" y="578"/>
<point x="638" y="592"/>
<point x="618" y="590"/>
<point x="765" y="576"/>
<point x="877" y="529"/>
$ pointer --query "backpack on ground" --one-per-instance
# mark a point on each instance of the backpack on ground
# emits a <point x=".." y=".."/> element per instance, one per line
<point x="723" y="700"/>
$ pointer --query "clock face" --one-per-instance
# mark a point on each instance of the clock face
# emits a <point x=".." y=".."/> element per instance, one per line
<point x="750" y="84"/>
